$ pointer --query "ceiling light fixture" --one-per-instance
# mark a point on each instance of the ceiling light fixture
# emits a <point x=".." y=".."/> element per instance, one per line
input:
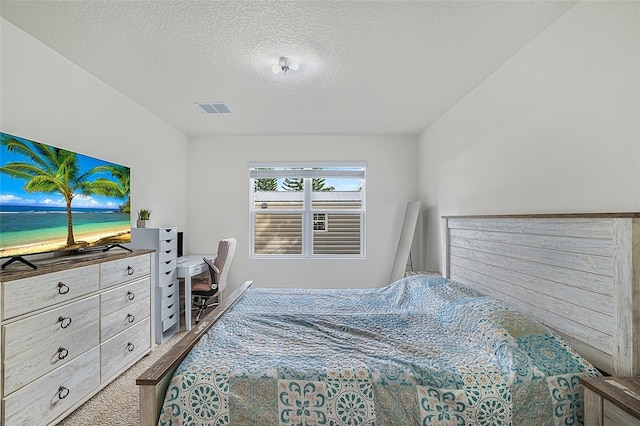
<point x="284" y="65"/>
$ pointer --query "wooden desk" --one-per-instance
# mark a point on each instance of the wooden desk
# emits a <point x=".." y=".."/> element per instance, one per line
<point x="611" y="401"/>
<point x="189" y="266"/>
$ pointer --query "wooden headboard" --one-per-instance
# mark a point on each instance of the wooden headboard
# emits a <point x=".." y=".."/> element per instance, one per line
<point x="579" y="274"/>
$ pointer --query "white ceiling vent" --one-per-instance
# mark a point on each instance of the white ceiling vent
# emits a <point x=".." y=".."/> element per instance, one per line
<point x="214" y="107"/>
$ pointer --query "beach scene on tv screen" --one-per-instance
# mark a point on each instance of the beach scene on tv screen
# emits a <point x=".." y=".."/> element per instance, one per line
<point x="52" y="199"/>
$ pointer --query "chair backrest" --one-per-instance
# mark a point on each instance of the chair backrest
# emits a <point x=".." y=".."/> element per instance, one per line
<point x="219" y="268"/>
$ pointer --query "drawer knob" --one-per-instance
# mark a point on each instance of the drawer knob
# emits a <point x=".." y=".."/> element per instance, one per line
<point x="63" y="392"/>
<point x="62" y="353"/>
<point x="130" y="295"/>
<point x="63" y="288"/>
<point x="130" y="318"/>
<point x="129" y="270"/>
<point x="130" y="347"/>
<point x="64" y="321"/>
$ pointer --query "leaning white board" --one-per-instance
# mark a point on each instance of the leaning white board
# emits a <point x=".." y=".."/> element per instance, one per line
<point x="406" y="239"/>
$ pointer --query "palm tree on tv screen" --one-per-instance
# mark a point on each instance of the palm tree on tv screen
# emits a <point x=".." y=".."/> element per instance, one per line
<point x="53" y="170"/>
<point x="122" y="174"/>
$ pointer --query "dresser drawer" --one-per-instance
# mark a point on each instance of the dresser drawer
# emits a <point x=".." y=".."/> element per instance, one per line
<point x="199" y="269"/>
<point x="167" y="266"/>
<point x="124" y="318"/>
<point x="121" y="350"/>
<point x="170" y="306"/>
<point x="38" y="361"/>
<point x="48" y="397"/>
<point x="167" y="278"/>
<point x="168" y="234"/>
<point x="53" y="325"/>
<point x="169" y="311"/>
<point x="33" y="293"/>
<point x="170" y="321"/>
<point x="121" y="297"/>
<point x="169" y="300"/>
<point x="168" y="255"/>
<point x="123" y="270"/>
<point x="168" y="248"/>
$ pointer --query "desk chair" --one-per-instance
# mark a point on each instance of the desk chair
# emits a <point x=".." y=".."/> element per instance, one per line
<point x="213" y="283"/>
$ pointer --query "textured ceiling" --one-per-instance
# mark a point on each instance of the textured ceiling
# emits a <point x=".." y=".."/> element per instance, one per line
<point x="366" y="67"/>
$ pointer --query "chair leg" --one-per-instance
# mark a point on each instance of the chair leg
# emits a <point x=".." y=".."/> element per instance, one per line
<point x="204" y="305"/>
<point x="201" y="307"/>
<point x="200" y="311"/>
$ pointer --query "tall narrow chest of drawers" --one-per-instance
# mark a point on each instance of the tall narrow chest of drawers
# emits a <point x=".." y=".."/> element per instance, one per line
<point x="165" y="243"/>
<point x="70" y="328"/>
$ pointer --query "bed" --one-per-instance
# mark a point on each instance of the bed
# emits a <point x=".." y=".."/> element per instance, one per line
<point x="423" y="350"/>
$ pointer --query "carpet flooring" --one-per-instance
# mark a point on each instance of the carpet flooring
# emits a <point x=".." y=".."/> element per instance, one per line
<point x="118" y="403"/>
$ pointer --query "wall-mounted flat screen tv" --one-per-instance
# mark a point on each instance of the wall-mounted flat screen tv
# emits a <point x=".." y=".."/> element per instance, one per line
<point x="52" y="199"/>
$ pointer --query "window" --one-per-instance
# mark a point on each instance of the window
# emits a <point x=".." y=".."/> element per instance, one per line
<point x="319" y="222"/>
<point x="307" y="210"/>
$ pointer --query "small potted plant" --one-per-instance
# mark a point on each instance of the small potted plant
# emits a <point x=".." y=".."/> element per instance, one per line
<point x="143" y="218"/>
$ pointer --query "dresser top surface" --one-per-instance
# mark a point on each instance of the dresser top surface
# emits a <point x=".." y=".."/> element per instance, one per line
<point x="54" y="264"/>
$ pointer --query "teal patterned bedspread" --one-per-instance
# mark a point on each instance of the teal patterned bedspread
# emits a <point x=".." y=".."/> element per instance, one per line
<point x="421" y="351"/>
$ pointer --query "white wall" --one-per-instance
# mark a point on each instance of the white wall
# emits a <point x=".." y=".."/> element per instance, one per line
<point x="48" y="99"/>
<point x="219" y="203"/>
<point x="556" y="129"/>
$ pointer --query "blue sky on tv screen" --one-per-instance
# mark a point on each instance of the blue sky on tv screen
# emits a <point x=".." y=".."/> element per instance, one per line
<point x="12" y="192"/>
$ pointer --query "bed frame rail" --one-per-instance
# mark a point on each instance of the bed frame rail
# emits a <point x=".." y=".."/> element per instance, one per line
<point x="155" y="380"/>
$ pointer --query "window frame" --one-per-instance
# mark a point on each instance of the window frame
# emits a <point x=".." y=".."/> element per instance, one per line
<point x="308" y="171"/>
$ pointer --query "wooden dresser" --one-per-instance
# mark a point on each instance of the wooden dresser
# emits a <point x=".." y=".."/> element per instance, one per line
<point x="611" y="401"/>
<point x="68" y="329"/>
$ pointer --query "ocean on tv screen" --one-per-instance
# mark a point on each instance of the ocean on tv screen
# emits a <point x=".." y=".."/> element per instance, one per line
<point x="36" y="229"/>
